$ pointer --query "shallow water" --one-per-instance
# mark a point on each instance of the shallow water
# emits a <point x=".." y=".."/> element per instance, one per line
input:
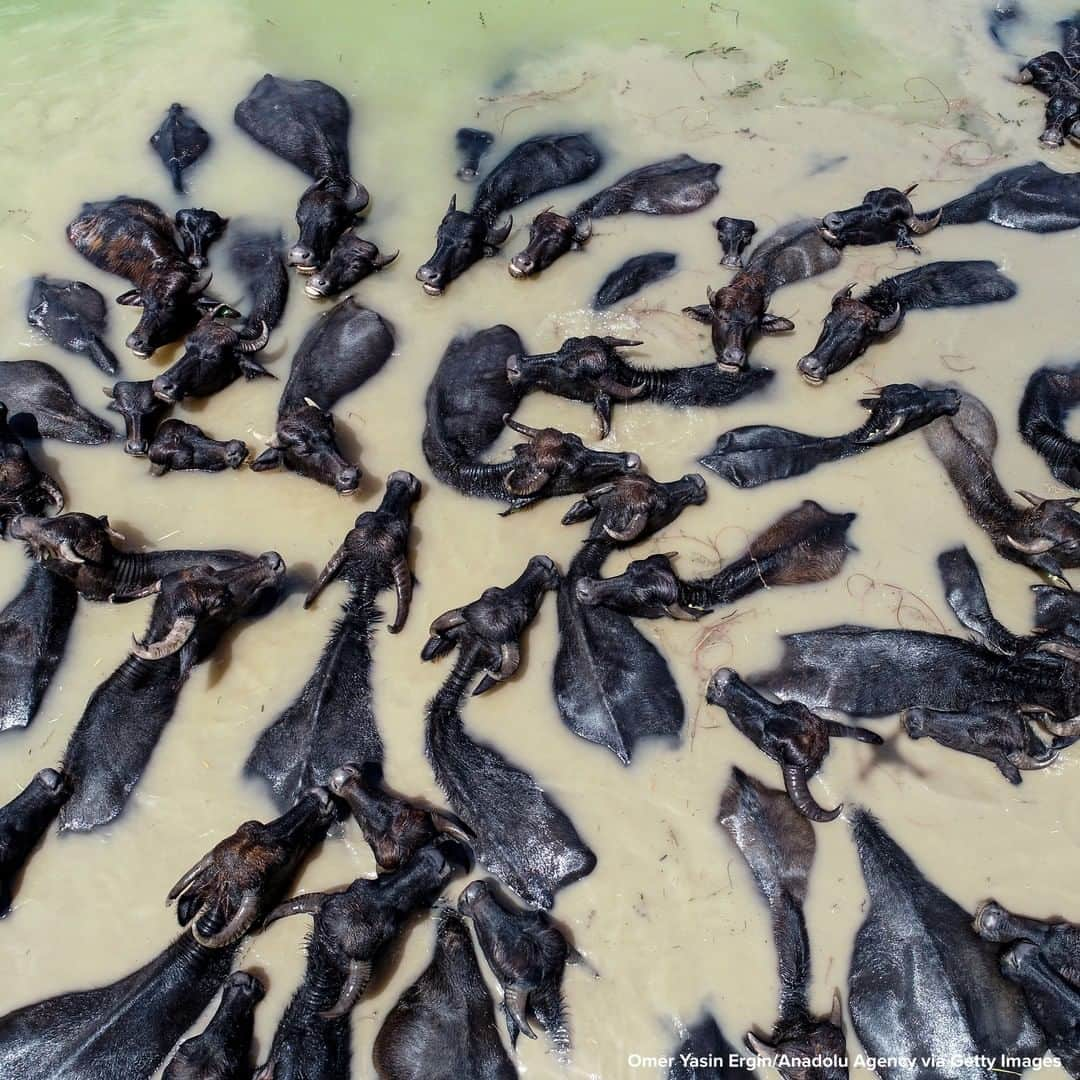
<point x="669" y="918"/>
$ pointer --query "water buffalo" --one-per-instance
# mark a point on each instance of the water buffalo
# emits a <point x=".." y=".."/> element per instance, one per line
<point x="806" y="545"/>
<point x="443" y="1026"/>
<point x="198" y="229"/>
<point x="734" y="235"/>
<point x="393" y="827"/>
<point x="222" y="1051"/>
<point x="352" y="932"/>
<point x="522" y="837"/>
<point x="738" y="312"/>
<point x="346" y="347"/>
<point x="124" y="1031"/>
<point x="307" y="123"/>
<point x="922" y="986"/>
<point x="539" y="164"/>
<point x="612" y="686"/>
<point x="72" y="314"/>
<point x="789" y="733"/>
<point x="332" y="719"/>
<point x="1031" y="197"/>
<point x="1043" y="535"/>
<point x="1050" y="395"/>
<point x="591" y="369"/>
<point x="884" y="214"/>
<point x="23" y="822"/>
<point x="82" y="549"/>
<point x="634" y="275"/>
<point x="778" y="845"/>
<point x="352" y="260"/>
<point x="469" y="400"/>
<point x="748" y="457"/>
<point x="677" y="185"/>
<point x="141" y="409"/>
<point x="255" y="257"/>
<point x="40" y="404"/>
<point x="177" y="445"/>
<point x="135" y="239"/>
<point x="34" y="629"/>
<point x="472" y="144"/>
<point x="24" y="488"/>
<point x="527" y="954"/>
<point x="1057" y="75"/>
<point x="180" y="141"/>
<point x="125" y="716"/>
<point x="704" y="1054"/>
<point x="855" y="323"/>
<point x="215" y="356"/>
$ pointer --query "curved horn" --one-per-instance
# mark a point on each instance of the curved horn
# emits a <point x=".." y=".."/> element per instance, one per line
<point x="620" y="391"/>
<point x="1028" y="497"/>
<point x="909" y="189"/>
<point x="448" y="620"/>
<point x="172" y="643"/>
<point x="234" y="929"/>
<point x="252" y="345"/>
<point x="535" y="482"/>
<point x="384" y="260"/>
<point x="1060" y="648"/>
<point x="1029" y="762"/>
<point x="52" y="491"/>
<point x="760" y="1046"/>
<point x="836" y="1014"/>
<point x="328" y="573"/>
<point x="1067" y="729"/>
<point x="355" y="984"/>
<point x="497" y="234"/>
<point x="632" y="531"/>
<point x="519" y="427"/>
<point x="921" y="226"/>
<point x="189" y="877"/>
<point x="453" y="203"/>
<point x="1030" y="547"/>
<point x="308" y="904"/>
<point x="622" y="343"/>
<point x="109" y="392"/>
<point x="888" y="323"/>
<point x="69" y="554"/>
<point x="403" y="586"/>
<point x="799" y="792"/>
<point x="843" y="294"/>
<point x="683" y="613"/>
<point x="710" y="294"/>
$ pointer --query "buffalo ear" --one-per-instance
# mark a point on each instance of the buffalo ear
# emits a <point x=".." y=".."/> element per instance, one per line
<point x="131" y="298"/>
<point x="270" y="458"/>
<point x="453" y="203"/>
<point x="701" y="313"/>
<point x="775" y="324"/>
<point x="497" y="234"/>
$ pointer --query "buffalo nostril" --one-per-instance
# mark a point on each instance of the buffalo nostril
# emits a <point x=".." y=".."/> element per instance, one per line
<point x="633" y="461"/>
<point x="832" y="222"/>
<point x="520" y="266"/>
<point x="52" y="779"/>
<point x="1051" y="138"/>
<point x="197" y="261"/>
<point x="585" y="591"/>
<point x="810" y="369"/>
<point x="513" y="367"/>
<point x="718" y="684"/>
<point x="348" y="480"/>
<point x="301" y="256"/>
<point x="733" y="356"/>
<point x="136" y="447"/>
<point x="426" y="273"/>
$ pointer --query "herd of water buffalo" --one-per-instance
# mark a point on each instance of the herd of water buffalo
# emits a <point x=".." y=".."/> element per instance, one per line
<point x="926" y="980"/>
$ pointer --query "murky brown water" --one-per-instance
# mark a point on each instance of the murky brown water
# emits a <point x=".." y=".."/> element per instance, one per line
<point x="669" y="918"/>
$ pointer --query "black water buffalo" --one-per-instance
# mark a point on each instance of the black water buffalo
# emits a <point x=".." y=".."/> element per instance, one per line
<point x="521" y="835"/>
<point x="884" y="214"/>
<point x="332" y="720"/>
<point x="591" y="369"/>
<point x="738" y="312"/>
<point x="1031" y="197"/>
<point x="255" y="257"/>
<point x="125" y="1030"/>
<point x="748" y="457"/>
<point x="633" y="275"/>
<point x="539" y="164"/>
<point x="41" y="404"/>
<point x="353" y="931"/>
<point x="472" y="144"/>
<point x="23" y="822"/>
<point x="922" y="986"/>
<point x="734" y="235"/>
<point x="307" y="123"/>
<point x="177" y="445"/>
<point x="1057" y="75"/>
<point x="443" y="1026"/>
<point x="134" y="239"/>
<point x="352" y="260"/>
<point x="141" y="409"/>
<point x="180" y="141"/>
<point x="198" y="230"/>
<point x="346" y="347"/>
<point x="855" y="323"/>
<point x="24" y="488"/>
<point x="1051" y="394"/>
<point x="72" y="314"/>
<point x="677" y="185"/>
<point x="778" y="845"/>
<point x="469" y="401"/>
<point x="1044" y="534"/>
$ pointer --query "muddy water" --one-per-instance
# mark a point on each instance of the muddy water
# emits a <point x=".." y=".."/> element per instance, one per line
<point x="669" y="918"/>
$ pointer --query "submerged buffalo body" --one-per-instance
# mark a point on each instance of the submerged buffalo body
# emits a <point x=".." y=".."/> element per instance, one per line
<point x="1051" y="394"/>
<point x="180" y="141"/>
<point x="72" y="315"/>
